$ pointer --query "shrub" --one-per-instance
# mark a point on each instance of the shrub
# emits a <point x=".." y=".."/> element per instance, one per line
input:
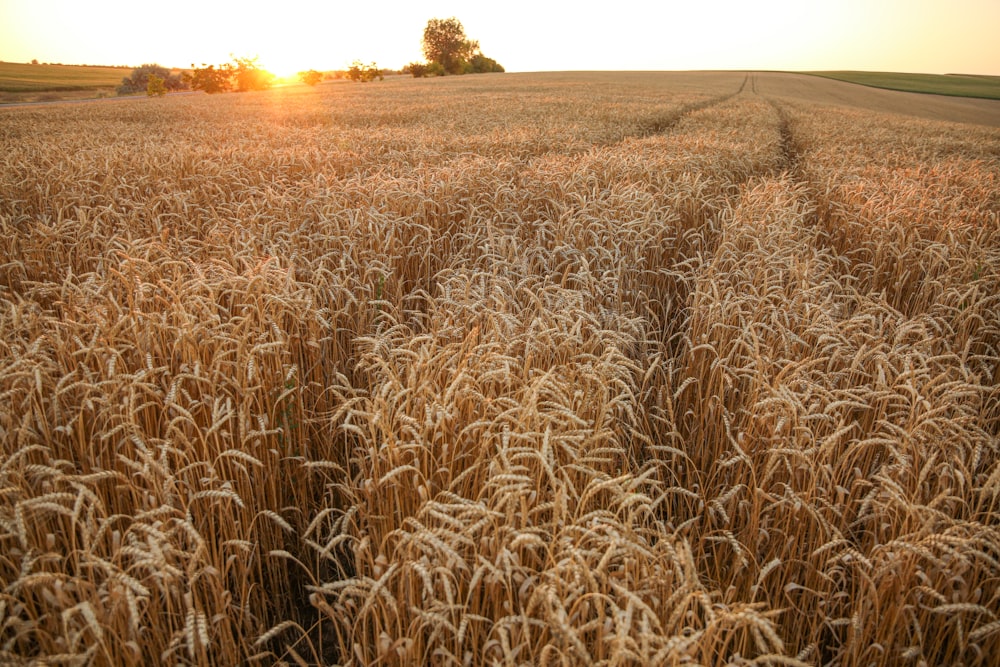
<point x="364" y="73"/>
<point x="138" y="80"/>
<point x="310" y="77"/>
<point x="417" y="70"/>
<point x="210" y="78"/>
<point x="155" y="87"/>
<point x="481" y="64"/>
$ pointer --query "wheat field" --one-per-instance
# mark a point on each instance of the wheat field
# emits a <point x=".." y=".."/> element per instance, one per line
<point x="595" y="369"/>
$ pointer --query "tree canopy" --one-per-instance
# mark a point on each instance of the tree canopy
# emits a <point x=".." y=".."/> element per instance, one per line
<point x="445" y="43"/>
<point x="449" y="51"/>
<point x="249" y="76"/>
<point x="210" y="78"/>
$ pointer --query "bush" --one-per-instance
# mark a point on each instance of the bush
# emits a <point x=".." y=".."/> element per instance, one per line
<point x="417" y="70"/>
<point x="310" y="77"/>
<point x="138" y="80"/>
<point x="156" y="87"/>
<point x="480" y="64"/>
<point x="364" y="73"/>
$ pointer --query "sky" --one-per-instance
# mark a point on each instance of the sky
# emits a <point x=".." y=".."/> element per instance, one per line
<point x="932" y="36"/>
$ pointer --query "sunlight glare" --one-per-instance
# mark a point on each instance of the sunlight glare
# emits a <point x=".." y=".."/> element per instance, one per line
<point x="284" y="64"/>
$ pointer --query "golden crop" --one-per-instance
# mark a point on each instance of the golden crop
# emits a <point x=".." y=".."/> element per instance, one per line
<point x="532" y="369"/>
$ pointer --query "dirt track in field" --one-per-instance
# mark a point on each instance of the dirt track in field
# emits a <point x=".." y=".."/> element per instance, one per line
<point x="807" y="88"/>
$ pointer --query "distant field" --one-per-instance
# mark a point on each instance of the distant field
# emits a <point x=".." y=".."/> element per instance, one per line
<point x="959" y="85"/>
<point x="23" y="78"/>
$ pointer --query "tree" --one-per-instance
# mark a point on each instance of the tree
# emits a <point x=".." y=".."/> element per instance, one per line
<point x="247" y="75"/>
<point x="449" y="51"/>
<point x="156" y="86"/>
<point x="364" y="73"/>
<point x="210" y="79"/>
<point x="310" y="77"/>
<point x="445" y="43"/>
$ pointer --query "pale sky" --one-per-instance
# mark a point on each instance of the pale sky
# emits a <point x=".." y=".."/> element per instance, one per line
<point x="933" y="36"/>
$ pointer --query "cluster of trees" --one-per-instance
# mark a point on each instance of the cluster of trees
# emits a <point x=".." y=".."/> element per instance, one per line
<point x="449" y="51"/>
<point x="445" y="45"/>
<point x="364" y="73"/>
<point x="151" y="79"/>
<point x="241" y="75"/>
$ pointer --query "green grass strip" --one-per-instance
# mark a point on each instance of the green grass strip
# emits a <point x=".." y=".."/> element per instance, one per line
<point x="956" y="85"/>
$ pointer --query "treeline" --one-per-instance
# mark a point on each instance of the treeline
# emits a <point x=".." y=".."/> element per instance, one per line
<point x="445" y="45"/>
<point x="241" y="75"/>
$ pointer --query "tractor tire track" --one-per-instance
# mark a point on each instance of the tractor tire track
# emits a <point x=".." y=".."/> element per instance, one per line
<point x="790" y="151"/>
<point x="669" y="121"/>
<point x="792" y="166"/>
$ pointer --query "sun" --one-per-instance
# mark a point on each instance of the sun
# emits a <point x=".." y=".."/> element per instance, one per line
<point x="282" y="57"/>
<point x="282" y="67"/>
